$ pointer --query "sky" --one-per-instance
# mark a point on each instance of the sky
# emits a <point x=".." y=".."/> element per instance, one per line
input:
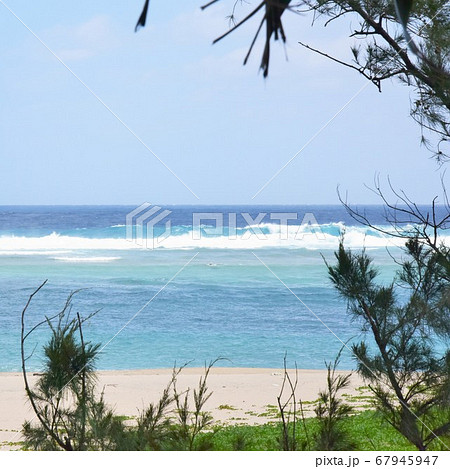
<point x="183" y="121"/>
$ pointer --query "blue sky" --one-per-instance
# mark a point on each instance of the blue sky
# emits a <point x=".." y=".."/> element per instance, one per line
<point x="217" y="125"/>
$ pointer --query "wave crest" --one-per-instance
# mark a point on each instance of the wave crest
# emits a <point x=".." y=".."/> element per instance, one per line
<point x="269" y="235"/>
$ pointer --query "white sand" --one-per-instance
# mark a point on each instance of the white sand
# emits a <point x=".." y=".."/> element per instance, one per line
<point x="247" y="391"/>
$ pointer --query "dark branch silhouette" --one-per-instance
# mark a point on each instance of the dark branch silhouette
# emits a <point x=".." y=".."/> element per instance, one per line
<point x="143" y="18"/>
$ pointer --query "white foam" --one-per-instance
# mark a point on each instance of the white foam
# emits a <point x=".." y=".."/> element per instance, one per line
<point x="30" y="253"/>
<point x="56" y="244"/>
<point x="86" y="259"/>
<point x="303" y="236"/>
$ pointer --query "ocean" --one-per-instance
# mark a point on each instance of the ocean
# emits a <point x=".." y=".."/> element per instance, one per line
<point x="248" y="284"/>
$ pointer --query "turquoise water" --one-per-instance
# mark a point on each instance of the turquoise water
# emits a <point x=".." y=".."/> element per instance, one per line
<point x="212" y="299"/>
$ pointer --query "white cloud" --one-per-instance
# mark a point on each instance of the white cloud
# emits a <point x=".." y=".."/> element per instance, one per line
<point x="200" y="25"/>
<point x="84" y="40"/>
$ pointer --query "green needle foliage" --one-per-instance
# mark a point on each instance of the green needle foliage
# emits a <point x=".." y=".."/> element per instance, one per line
<point x="178" y="419"/>
<point x="409" y="379"/>
<point x="69" y="415"/>
<point x="191" y="421"/>
<point x="154" y="424"/>
<point x="332" y="412"/>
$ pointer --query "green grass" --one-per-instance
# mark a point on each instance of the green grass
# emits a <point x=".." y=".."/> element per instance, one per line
<point x="366" y="430"/>
<point x="226" y="407"/>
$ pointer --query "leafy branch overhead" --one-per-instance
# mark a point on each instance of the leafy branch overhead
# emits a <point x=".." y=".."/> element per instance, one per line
<point x="404" y="39"/>
<point x="409" y="41"/>
<point x="273" y="11"/>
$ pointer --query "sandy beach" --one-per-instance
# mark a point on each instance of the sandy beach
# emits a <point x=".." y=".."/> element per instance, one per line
<point x="240" y="395"/>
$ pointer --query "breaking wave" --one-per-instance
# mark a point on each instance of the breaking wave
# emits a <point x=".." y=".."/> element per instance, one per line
<point x="268" y="235"/>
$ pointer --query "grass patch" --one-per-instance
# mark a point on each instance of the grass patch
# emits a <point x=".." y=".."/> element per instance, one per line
<point x="226" y="407"/>
<point x="367" y="430"/>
